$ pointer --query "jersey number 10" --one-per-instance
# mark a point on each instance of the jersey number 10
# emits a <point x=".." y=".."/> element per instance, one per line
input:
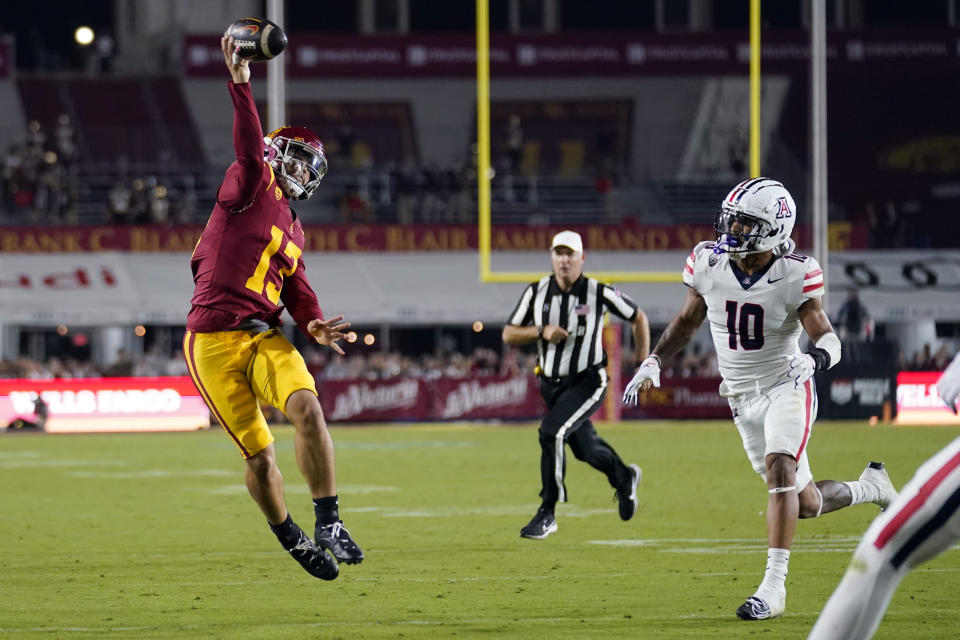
<point x="747" y="311"/>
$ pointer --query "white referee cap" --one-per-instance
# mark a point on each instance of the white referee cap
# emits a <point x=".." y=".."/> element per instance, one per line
<point x="570" y="239"/>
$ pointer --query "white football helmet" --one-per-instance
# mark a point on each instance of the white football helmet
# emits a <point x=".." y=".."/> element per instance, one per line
<point x="756" y="216"/>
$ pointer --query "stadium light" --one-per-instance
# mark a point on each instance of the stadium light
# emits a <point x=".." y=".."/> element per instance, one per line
<point x="84" y="35"/>
<point x="140" y="331"/>
<point x="477" y="326"/>
<point x="369" y="339"/>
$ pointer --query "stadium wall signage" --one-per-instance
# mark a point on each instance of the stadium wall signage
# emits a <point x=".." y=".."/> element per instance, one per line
<point x="107" y="404"/>
<point x="625" y="54"/>
<point x="918" y="401"/>
<point x="389" y="237"/>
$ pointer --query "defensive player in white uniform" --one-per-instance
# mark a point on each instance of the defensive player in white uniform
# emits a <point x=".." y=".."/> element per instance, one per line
<point x="922" y="523"/>
<point x="757" y="295"/>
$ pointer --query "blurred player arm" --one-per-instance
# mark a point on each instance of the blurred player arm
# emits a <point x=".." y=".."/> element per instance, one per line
<point x="298" y="296"/>
<point x="640" y="327"/>
<point x="680" y="331"/>
<point x="816" y="324"/>
<point x="302" y="304"/>
<point x="623" y="306"/>
<point x="949" y="384"/>
<point x="242" y="181"/>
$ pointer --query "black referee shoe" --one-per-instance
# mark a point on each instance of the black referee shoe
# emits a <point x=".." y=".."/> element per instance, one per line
<point x="542" y="525"/>
<point x="627" y="494"/>
<point x="336" y="538"/>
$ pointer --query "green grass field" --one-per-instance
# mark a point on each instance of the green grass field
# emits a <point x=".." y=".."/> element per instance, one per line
<point x="154" y="536"/>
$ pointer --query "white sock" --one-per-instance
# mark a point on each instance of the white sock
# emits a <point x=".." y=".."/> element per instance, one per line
<point x="776" y="574"/>
<point x="861" y="492"/>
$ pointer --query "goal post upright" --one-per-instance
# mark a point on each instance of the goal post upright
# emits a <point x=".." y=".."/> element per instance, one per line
<point x="485" y="174"/>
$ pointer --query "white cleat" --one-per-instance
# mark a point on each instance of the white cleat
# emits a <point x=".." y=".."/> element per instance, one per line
<point x="763" y="606"/>
<point x="876" y="475"/>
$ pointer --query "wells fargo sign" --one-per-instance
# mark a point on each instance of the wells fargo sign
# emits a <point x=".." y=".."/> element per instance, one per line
<point x="386" y="237"/>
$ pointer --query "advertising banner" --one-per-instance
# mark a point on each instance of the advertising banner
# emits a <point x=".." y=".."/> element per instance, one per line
<point x="681" y="398"/>
<point x="495" y="397"/>
<point x="918" y="401"/>
<point x="571" y="54"/>
<point x="345" y="238"/>
<point x="855" y="391"/>
<point x="374" y="400"/>
<point x="106" y="404"/>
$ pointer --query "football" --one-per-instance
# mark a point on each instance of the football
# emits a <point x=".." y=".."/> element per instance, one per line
<point x="258" y="38"/>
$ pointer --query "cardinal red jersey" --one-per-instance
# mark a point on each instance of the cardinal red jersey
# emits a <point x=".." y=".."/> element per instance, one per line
<point x="248" y="260"/>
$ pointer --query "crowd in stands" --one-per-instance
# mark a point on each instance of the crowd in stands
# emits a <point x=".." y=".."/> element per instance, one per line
<point x="697" y="362"/>
<point x="407" y="194"/>
<point x="925" y="360"/>
<point x="151" y="363"/>
<point x="38" y="174"/>
<point x="41" y="185"/>
<point x="148" y="200"/>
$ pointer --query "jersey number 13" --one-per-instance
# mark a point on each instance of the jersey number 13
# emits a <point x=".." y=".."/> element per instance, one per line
<point x="256" y="282"/>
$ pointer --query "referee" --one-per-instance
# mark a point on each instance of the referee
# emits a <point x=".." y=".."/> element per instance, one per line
<point x="564" y="313"/>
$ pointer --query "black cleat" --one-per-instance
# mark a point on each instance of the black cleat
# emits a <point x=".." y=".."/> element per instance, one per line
<point x="627" y="494"/>
<point x="314" y="560"/>
<point x="542" y="525"/>
<point x="336" y="538"/>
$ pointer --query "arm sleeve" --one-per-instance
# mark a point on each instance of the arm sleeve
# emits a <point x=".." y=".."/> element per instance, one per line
<point x="523" y="313"/>
<point x="300" y="299"/>
<point x="619" y="303"/>
<point x="688" y="268"/>
<point x="239" y="188"/>
<point x="812" y="281"/>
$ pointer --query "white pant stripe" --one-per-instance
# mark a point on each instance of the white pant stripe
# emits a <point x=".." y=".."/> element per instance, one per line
<point x="559" y="444"/>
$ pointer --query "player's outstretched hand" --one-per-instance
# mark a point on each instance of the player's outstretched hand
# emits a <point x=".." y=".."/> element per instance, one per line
<point x="949" y="384"/>
<point x="238" y="67"/>
<point x="802" y="368"/>
<point x="328" y="332"/>
<point x="647" y="375"/>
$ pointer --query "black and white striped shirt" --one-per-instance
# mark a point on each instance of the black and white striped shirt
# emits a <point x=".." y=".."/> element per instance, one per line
<point x="579" y="311"/>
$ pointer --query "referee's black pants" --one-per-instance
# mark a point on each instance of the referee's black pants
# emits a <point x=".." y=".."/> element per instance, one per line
<point x="570" y="403"/>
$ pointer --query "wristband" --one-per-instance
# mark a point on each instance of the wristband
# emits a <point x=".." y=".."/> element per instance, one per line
<point x="540" y="332"/>
<point x="821" y="359"/>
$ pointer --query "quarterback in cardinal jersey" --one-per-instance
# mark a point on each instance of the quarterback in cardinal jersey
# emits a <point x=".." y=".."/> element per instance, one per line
<point x="758" y="296"/>
<point x="245" y="266"/>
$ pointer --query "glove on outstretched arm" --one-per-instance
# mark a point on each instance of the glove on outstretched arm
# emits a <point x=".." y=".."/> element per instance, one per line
<point x="824" y="355"/>
<point x="648" y="372"/>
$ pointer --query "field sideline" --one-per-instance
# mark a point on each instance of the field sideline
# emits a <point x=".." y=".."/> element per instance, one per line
<point x="154" y="536"/>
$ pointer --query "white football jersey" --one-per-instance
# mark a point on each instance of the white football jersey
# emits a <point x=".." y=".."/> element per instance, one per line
<point x="753" y="319"/>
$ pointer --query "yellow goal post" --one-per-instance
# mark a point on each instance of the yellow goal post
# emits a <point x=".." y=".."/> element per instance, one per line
<point x="485" y="170"/>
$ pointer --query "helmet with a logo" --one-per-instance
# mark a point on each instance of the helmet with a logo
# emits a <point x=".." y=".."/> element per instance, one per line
<point x="296" y="155"/>
<point x="756" y="216"/>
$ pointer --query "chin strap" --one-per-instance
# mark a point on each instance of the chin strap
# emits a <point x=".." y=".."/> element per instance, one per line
<point x="294" y="188"/>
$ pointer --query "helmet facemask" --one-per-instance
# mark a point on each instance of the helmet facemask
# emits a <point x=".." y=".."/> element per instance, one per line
<point x="740" y="233"/>
<point x="756" y="216"/>
<point x="299" y="164"/>
<point x="301" y="169"/>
